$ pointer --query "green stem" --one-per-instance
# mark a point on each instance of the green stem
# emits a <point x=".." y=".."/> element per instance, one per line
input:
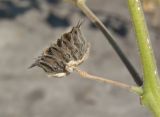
<point x="151" y="86"/>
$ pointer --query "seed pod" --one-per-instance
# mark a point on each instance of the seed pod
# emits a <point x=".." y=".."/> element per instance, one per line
<point x="68" y="51"/>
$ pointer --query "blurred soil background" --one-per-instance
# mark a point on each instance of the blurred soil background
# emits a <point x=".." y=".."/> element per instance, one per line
<point x="27" y="27"/>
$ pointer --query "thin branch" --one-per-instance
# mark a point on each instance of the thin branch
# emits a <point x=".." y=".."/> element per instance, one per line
<point x="81" y="4"/>
<point x="84" y="74"/>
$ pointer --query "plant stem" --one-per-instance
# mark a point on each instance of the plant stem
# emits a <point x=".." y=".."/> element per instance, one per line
<point x="81" y="4"/>
<point x="84" y="74"/>
<point x="151" y="86"/>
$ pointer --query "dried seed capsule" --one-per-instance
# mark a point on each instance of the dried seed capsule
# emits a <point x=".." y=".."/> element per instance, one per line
<point x="70" y="50"/>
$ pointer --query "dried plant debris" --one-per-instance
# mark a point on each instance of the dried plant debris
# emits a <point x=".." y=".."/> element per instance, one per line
<point x="150" y="6"/>
<point x="69" y="51"/>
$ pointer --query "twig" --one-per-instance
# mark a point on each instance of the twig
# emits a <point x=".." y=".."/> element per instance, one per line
<point x="84" y="74"/>
<point x="82" y="5"/>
